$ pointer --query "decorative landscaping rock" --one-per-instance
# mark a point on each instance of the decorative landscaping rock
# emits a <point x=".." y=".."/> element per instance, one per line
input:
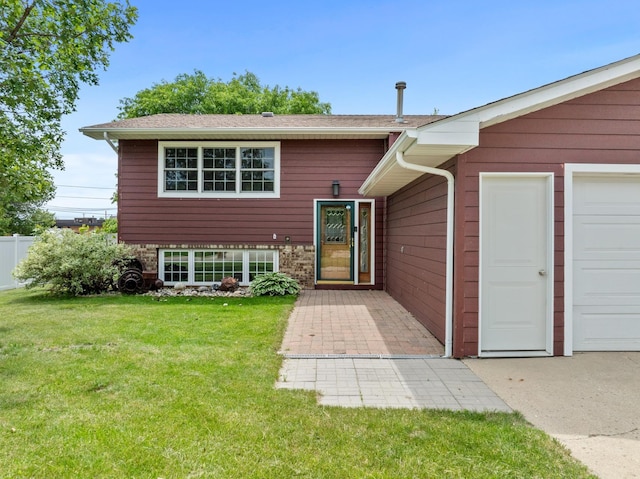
<point x="196" y="292"/>
<point x="229" y="284"/>
<point x="228" y="287"/>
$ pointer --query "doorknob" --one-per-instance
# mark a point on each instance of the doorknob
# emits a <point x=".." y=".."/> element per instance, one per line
<point x="542" y="272"/>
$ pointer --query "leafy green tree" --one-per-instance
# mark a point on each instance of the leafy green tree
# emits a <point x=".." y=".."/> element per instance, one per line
<point x="198" y="94"/>
<point x="25" y="185"/>
<point x="26" y="220"/>
<point x="48" y="48"/>
<point x="110" y="225"/>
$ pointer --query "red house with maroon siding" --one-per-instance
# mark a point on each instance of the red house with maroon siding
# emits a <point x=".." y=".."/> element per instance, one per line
<point x="207" y="196"/>
<point x="508" y="230"/>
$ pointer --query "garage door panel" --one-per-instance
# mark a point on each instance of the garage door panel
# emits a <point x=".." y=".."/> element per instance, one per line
<point x="607" y="237"/>
<point x="606" y="263"/>
<point x="599" y="197"/>
<point x="607" y="329"/>
<point x="607" y="283"/>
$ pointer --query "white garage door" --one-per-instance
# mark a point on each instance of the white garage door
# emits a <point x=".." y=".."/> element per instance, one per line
<point x="606" y="263"/>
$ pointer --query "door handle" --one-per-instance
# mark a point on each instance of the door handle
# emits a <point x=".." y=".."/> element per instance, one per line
<point x="542" y="272"/>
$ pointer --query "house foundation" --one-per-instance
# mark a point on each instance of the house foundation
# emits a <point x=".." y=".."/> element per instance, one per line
<point x="297" y="261"/>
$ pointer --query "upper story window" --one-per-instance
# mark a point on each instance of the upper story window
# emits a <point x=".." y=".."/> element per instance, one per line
<point x="219" y="169"/>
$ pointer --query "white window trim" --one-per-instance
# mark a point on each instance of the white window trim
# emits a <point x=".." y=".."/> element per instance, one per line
<point x="218" y="194"/>
<point x="191" y="264"/>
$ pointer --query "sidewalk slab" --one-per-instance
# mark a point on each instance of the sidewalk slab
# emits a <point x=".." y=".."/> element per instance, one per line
<point x="421" y="383"/>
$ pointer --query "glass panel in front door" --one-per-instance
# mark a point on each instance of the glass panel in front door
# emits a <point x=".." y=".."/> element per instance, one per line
<point x="364" y="244"/>
<point x="336" y="242"/>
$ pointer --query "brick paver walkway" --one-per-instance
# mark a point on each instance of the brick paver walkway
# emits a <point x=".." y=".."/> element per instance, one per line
<point x="355" y="323"/>
<point x="361" y="348"/>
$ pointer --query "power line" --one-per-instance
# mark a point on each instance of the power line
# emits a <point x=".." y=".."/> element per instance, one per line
<point x="86" y="187"/>
<point x="83" y="197"/>
<point x="72" y="209"/>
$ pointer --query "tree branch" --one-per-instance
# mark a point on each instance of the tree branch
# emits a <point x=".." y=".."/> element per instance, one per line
<point x="16" y="29"/>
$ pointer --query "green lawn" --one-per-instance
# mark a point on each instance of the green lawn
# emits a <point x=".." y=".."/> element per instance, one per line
<point x="133" y="387"/>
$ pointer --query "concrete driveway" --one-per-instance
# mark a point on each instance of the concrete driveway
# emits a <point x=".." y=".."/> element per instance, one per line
<point x="590" y="402"/>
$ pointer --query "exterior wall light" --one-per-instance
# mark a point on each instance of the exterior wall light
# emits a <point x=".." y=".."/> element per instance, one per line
<point x="336" y="188"/>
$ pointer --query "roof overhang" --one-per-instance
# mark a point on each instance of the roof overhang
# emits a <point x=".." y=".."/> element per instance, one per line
<point x="435" y="143"/>
<point x="235" y="133"/>
<point x="426" y="148"/>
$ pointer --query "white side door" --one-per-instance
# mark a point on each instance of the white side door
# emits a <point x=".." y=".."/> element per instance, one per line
<point x="516" y="280"/>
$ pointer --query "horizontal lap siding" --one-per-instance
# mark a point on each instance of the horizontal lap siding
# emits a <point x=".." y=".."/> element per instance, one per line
<point x="307" y="170"/>
<point x="603" y="127"/>
<point x="416" y="250"/>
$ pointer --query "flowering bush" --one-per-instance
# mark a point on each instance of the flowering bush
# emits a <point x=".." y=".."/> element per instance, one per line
<point x="69" y="262"/>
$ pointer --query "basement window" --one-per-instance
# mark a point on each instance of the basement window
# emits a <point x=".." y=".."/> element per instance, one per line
<point x="219" y="169"/>
<point x="206" y="267"/>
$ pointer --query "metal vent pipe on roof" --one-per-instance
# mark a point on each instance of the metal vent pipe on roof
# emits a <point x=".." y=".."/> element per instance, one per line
<point x="400" y="86"/>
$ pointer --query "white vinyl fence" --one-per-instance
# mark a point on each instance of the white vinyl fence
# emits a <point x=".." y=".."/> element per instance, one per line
<point x="13" y="249"/>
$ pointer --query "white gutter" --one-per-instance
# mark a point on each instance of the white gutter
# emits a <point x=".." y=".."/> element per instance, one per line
<point x="448" y="343"/>
<point x="108" y="140"/>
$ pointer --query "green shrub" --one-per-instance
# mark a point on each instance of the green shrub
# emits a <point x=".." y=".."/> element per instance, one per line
<point x="110" y="225"/>
<point x="69" y="262"/>
<point x="274" y="284"/>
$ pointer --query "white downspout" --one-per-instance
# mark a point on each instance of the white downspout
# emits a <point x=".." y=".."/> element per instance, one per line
<point x="108" y="140"/>
<point x="448" y="343"/>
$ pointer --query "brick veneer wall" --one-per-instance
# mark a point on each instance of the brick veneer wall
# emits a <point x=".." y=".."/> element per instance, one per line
<point x="297" y="261"/>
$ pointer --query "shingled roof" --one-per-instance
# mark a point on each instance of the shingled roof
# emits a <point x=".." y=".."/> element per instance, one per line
<point x="178" y="126"/>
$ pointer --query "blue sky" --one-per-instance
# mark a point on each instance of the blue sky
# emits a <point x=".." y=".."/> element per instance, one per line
<point x="453" y="54"/>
